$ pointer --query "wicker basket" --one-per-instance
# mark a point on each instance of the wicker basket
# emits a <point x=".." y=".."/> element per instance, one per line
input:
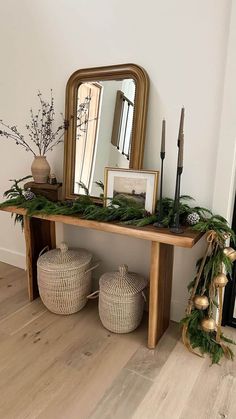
<point x="64" y="279"/>
<point x="121" y="300"/>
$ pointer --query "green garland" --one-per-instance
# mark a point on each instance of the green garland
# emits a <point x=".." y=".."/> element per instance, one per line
<point x="123" y="210"/>
<point x="129" y="212"/>
<point x="206" y="341"/>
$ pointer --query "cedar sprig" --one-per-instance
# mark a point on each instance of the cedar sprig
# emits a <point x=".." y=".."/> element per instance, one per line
<point x="15" y="191"/>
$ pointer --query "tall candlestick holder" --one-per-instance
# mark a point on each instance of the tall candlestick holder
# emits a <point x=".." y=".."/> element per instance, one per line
<point x="159" y="223"/>
<point x="175" y="228"/>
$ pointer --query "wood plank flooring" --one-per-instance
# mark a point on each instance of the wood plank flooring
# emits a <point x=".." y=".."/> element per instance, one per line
<point x="70" y="367"/>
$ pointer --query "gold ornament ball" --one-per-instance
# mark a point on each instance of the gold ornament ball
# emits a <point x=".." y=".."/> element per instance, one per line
<point x="201" y="302"/>
<point x="230" y="253"/>
<point x="220" y="281"/>
<point x="208" y="324"/>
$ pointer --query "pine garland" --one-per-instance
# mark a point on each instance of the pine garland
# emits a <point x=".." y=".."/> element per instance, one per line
<point x="205" y="341"/>
<point x="215" y="262"/>
<point x="129" y="212"/>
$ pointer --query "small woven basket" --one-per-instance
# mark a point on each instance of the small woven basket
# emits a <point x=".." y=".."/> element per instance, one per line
<point x="64" y="279"/>
<point x="121" y="300"/>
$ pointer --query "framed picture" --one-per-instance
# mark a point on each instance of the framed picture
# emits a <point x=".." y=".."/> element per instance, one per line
<point x="139" y="185"/>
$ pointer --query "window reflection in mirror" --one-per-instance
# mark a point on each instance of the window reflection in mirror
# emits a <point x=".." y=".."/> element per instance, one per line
<point x="103" y="130"/>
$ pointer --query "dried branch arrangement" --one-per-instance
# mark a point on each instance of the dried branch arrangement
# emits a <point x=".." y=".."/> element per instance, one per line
<point x="43" y="135"/>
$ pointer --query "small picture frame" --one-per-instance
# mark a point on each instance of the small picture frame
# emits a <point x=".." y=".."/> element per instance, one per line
<point x="139" y="185"/>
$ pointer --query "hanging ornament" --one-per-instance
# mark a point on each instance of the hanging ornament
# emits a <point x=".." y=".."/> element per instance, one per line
<point x="29" y="195"/>
<point x="201" y="302"/>
<point x="193" y="218"/>
<point x="208" y="324"/>
<point x="220" y="280"/>
<point x="230" y="253"/>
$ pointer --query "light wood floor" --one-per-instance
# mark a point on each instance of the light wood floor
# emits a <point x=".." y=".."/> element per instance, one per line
<point x="59" y="367"/>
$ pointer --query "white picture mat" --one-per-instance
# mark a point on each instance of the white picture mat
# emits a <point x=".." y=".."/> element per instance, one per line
<point x="150" y="187"/>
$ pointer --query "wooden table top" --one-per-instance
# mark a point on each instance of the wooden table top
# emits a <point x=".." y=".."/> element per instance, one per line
<point x="162" y="235"/>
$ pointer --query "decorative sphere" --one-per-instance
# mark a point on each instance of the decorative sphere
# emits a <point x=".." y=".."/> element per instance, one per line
<point x="193" y="218"/>
<point x="201" y="302"/>
<point x="208" y="324"/>
<point x="230" y="253"/>
<point x="68" y="203"/>
<point x="29" y="195"/>
<point x="220" y="281"/>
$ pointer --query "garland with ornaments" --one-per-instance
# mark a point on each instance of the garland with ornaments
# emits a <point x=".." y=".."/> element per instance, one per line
<point x="201" y="333"/>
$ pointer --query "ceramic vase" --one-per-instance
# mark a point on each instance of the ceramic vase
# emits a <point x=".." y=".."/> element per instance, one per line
<point x="40" y="169"/>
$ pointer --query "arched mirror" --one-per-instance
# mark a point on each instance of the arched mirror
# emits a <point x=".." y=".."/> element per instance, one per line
<point x="106" y="111"/>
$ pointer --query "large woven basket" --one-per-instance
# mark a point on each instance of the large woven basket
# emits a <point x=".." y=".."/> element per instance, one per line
<point x="121" y="300"/>
<point x="64" y="279"/>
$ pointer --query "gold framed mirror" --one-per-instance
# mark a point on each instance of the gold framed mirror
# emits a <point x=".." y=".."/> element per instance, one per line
<point x="106" y="110"/>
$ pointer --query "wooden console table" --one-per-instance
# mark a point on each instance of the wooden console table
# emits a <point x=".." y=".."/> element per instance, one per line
<point x="40" y="232"/>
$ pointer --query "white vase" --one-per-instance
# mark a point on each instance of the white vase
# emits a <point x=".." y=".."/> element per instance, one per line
<point x="40" y="169"/>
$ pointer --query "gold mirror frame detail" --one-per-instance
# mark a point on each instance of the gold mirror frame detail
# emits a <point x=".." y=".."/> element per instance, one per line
<point x="114" y="72"/>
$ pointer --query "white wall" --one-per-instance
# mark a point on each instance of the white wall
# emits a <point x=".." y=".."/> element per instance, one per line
<point x="181" y="43"/>
<point x="224" y="191"/>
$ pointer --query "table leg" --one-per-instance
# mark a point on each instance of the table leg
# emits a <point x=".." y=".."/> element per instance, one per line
<point x="38" y="234"/>
<point x="160" y="291"/>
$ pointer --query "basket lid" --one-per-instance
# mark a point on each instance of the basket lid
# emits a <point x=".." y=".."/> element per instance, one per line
<point x="63" y="258"/>
<point x="122" y="282"/>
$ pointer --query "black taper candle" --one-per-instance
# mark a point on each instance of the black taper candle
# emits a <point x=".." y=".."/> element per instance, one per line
<point x="181" y="126"/>
<point x="180" y="138"/>
<point x="163" y="136"/>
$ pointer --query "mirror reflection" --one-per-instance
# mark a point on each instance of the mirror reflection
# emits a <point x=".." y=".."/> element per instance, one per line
<point x="103" y="130"/>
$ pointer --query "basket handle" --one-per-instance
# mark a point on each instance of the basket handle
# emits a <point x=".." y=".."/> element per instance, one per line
<point x="43" y="250"/>
<point x="144" y="296"/>
<point x="93" y="296"/>
<point x="93" y="267"/>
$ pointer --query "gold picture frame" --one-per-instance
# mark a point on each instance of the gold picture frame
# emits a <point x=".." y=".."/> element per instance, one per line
<point x="140" y="185"/>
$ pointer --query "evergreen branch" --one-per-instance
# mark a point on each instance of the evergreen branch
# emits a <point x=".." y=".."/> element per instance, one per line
<point x="84" y="187"/>
<point x="100" y="184"/>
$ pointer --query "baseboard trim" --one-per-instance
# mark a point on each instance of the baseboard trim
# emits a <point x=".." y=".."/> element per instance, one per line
<point x="12" y="258"/>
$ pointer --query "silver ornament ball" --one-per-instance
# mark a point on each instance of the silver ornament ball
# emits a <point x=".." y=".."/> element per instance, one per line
<point x="193" y="218"/>
<point x="29" y="195"/>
